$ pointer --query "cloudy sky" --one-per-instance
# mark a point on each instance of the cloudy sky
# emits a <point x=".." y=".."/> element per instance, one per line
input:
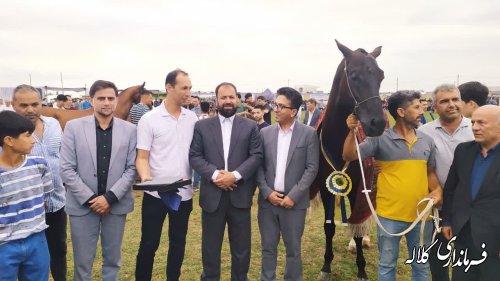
<point x="256" y="44"/>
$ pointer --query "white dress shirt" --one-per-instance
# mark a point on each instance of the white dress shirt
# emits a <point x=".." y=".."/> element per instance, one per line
<point x="284" y="139"/>
<point x="226" y="125"/>
<point x="310" y="117"/>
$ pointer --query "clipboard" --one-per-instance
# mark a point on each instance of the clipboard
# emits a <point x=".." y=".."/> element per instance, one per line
<point x="162" y="184"/>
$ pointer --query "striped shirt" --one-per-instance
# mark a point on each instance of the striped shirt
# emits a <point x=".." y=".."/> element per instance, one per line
<point x="137" y="111"/>
<point x="49" y="148"/>
<point x="22" y="190"/>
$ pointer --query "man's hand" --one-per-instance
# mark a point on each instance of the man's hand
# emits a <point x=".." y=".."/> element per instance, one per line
<point x="149" y="178"/>
<point x="352" y="122"/>
<point x="100" y="205"/>
<point x="447" y="232"/>
<point x="287" y="203"/>
<point x="437" y="195"/>
<point x="376" y="167"/>
<point x="275" y="198"/>
<point x="225" y="180"/>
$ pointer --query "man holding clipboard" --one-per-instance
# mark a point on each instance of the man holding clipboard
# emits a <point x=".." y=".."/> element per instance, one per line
<point x="163" y="139"/>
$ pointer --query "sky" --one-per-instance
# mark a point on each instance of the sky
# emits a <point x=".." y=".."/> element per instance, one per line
<point x="255" y="44"/>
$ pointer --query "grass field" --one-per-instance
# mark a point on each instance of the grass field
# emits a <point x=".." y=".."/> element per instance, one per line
<point x="344" y="267"/>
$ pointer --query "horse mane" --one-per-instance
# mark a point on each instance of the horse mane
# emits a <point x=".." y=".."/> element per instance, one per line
<point x="338" y="76"/>
<point x="361" y="50"/>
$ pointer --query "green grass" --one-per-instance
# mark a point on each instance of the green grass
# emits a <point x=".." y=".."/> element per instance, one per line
<point x="344" y="267"/>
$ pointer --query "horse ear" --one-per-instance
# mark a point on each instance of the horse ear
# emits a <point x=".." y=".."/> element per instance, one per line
<point x="143" y="84"/>
<point x="345" y="51"/>
<point x="375" y="53"/>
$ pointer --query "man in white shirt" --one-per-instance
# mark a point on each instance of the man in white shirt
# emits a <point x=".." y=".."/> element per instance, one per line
<point x="312" y="113"/>
<point x="291" y="161"/>
<point x="163" y="139"/>
<point x="447" y="132"/>
<point x="59" y="102"/>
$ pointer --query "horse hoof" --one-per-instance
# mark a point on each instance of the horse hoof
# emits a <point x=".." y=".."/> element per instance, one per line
<point x="352" y="246"/>
<point x="367" y="243"/>
<point x="363" y="279"/>
<point x="324" y="276"/>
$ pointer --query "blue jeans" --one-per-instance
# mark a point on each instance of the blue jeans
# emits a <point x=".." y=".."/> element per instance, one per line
<point x="27" y="259"/>
<point x="388" y="249"/>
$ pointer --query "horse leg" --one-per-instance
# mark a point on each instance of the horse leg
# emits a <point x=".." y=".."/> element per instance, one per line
<point x="329" y="228"/>
<point x="360" y="259"/>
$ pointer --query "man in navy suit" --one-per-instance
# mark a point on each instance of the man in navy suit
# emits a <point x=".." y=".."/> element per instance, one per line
<point x="472" y="198"/>
<point x="312" y="113"/>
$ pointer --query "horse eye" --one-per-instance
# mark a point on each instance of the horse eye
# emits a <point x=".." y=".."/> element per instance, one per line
<point x="354" y="76"/>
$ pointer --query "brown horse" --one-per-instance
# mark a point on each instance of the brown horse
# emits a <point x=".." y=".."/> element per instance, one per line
<point x="355" y="89"/>
<point x="126" y="99"/>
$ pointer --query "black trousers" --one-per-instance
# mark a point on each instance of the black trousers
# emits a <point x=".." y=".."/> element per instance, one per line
<point x="56" y="240"/>
<point x="238" y="222"/>
<point x="486" y="271"/>
<point x="154" y="213"/>
<point x="438" y="272"/>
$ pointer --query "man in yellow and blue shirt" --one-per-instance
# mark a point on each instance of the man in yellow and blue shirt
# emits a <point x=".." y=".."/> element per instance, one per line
<point x="407" y="160"/>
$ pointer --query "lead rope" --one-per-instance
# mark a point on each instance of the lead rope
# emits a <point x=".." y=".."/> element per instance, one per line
<point x="421" y="216"/>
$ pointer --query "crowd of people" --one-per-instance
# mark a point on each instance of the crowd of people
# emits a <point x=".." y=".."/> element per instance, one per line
<point x="232" y="147"/>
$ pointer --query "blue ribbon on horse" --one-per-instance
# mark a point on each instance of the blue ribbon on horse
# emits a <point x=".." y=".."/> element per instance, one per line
<point x="338" y="182"/>
<point x="171" y="199"/>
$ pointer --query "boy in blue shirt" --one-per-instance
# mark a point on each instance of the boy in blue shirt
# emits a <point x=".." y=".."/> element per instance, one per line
<point x="24" y="180"/>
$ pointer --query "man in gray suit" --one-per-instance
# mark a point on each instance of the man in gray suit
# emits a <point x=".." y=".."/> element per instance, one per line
<point x="97" y="166"/>
<point x="291" y="160"/>
<point x="226" y="151"/>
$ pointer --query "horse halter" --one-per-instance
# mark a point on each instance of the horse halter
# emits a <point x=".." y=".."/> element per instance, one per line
<point x="350" y="91"/>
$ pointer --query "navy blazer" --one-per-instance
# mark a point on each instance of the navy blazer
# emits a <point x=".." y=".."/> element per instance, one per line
<point x="483" y="211"/>
<point x="314" y="117"/>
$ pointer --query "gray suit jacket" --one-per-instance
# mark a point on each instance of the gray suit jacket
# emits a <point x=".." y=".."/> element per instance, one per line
<point x="301" y="164"/>
<point x="79" y="164"/>
<point x="207" y="155"/>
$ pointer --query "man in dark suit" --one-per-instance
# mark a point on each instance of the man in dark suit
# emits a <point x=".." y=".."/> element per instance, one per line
<point x="291" y="160"/>
<point x="226" y="151"/>
<point x="472" y="198"/>
<point x="312" y="113"/>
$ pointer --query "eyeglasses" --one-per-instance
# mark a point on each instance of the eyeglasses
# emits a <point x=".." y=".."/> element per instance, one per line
<point x="280" y="106"/>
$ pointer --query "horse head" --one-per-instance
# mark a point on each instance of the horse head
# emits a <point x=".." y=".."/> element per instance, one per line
<point x="126" y="99"/>
<point x="362" y="77"/>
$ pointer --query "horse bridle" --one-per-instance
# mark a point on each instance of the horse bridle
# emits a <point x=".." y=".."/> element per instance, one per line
<point x="428" y="211"/>
<point x="357" y="104"/>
